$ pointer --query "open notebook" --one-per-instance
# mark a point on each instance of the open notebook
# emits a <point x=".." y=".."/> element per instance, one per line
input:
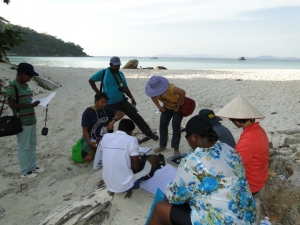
<point x="144" y="149"/>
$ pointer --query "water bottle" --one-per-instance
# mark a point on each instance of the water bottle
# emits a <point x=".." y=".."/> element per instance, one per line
<point x="266" y="221"/>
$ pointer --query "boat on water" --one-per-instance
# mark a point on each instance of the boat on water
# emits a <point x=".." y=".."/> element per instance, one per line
<point x="153" y="57"/>
<point x="241" y="58"/>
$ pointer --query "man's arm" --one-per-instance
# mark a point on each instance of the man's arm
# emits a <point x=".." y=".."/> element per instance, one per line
<point x="93" y="85"/>
<point x="128" y="93"/>
<point x="135" y="163"/>
<point x="14" y="105"/>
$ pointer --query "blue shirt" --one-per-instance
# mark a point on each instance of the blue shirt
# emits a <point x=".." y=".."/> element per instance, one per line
<point x="110" y="86"/>
<point x="96" y="120"/>
<point x="213" y="182"/>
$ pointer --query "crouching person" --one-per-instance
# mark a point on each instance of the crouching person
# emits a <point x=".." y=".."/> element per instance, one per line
<point x="123" y="170"/>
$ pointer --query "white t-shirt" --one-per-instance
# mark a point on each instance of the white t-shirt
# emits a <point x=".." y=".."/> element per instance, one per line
<point x="117" y="148"/>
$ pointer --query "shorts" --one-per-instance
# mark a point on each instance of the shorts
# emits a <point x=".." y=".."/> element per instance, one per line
<point x="180" y="214"/>
<point x="142" y="174"/>
<point x="86" y="149"/>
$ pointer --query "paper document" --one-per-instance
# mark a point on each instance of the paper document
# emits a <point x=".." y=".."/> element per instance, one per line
<point x="160" y="179"/>
<point x="144" y="149"/>
<point x="45" y="101"/>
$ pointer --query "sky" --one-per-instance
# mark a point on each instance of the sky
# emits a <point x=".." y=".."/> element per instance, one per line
<point x="229" y="28"/>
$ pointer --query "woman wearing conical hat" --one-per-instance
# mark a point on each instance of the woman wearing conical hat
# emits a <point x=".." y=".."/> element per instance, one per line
<point x="253" y="145"/>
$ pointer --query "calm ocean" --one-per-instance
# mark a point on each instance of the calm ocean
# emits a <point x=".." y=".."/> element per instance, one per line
<point x="169" y="63"/>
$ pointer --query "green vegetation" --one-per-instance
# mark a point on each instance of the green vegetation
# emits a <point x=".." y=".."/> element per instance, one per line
<point x="41" y="44"/>
<point x="9" y="38"/>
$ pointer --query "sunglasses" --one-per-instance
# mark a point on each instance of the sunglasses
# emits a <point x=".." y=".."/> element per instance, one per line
<point x="187" y="136"/>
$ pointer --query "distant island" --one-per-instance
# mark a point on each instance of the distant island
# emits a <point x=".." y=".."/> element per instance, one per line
<point x="222" y="57"/>
<point x="41" y="44"/>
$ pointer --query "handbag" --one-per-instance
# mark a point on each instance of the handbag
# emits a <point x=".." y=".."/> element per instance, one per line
<point x="10" y="125"/>
<point x="188" y="107"/>
<point x="77" y="152"/>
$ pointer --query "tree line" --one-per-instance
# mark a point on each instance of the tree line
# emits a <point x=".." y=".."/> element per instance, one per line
<point x="41" y="44"/>
<point x="17" y="40"/>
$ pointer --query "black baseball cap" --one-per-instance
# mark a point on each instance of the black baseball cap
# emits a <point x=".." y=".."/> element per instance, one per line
<point x="197" y="125"/>
<point x="27" y="68"/>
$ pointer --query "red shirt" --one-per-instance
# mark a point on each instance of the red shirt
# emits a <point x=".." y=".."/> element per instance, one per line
<point x="253" y="146"/>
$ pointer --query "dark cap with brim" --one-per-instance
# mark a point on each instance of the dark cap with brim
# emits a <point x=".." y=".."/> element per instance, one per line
<point x="27" y="68"/>
<point x="197" y="125"/>
<point x="210" y="115"/>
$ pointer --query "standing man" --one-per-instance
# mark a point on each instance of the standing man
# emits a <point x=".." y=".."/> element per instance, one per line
<point x="115" y="86"/>
<point x="27" y="138"/>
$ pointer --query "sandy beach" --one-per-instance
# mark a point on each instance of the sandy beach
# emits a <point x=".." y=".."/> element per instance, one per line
<point x="275" y="93"/>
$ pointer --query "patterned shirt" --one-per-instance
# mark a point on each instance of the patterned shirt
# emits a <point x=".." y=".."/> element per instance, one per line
<point x="213" y="182"/>
<point x="27" y="116"/>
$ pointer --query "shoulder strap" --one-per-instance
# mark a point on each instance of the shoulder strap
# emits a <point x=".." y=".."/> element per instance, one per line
<point x="102" y="80"/>
<point x="2" y="105"/>
<point x="17" y="99"/>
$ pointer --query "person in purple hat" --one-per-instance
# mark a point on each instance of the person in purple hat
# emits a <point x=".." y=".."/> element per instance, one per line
<point x="160" y="90"/>
<point x="115" y="86"/>
<point x="27" y="138"/>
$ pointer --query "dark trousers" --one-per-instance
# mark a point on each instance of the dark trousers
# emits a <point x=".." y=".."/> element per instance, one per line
<point x="130" y="111"/>
<point x="165" y="119"/>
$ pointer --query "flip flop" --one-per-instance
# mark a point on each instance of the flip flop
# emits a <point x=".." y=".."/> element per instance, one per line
<point x="159" y="149"/>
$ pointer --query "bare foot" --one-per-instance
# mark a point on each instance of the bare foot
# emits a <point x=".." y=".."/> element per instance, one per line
<point x="159" y="149"/>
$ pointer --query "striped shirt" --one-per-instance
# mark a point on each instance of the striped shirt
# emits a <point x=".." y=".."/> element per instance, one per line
<point x="27" y="116"/>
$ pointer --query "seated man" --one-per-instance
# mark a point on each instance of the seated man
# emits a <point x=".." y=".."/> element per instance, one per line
<point x="123" y="170"/>
<point x="253" y="145"/>
<point x="223" y="132"/>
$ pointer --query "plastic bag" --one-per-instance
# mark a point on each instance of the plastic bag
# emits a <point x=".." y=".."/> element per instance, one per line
<point x="98" y="158"/>
<point x="77" y="152"/>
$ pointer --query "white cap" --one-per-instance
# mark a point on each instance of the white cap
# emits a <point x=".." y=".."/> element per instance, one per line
<point x="239" y="108"/>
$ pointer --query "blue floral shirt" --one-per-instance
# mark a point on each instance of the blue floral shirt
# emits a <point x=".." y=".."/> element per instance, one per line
<point x="213" y="182"/>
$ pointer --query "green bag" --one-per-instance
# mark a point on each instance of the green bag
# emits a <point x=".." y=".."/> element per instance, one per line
<point x="76" y="151"/>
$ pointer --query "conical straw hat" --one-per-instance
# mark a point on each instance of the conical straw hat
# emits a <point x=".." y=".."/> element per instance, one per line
<point x="240" y="108"/>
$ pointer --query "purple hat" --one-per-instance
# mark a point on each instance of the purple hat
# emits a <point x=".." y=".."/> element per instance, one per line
<point x="156" y="86"/>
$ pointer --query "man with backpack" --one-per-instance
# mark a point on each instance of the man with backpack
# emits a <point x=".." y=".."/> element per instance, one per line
<point x="115" y="86"/>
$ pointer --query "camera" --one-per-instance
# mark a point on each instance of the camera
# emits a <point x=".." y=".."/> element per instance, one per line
<point x="123" y="89"/>
<point x="45" y="131"/>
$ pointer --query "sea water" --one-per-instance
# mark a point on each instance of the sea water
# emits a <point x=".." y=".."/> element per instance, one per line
<point x="169" y="63"/>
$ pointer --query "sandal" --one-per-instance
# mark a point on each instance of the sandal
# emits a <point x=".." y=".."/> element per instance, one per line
<point x="159" y="149"/>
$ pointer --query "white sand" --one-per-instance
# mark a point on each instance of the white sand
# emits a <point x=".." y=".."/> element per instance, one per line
<point x="29" y="201"/>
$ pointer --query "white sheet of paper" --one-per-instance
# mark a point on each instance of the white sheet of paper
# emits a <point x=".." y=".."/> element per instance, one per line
<point x="45" y="101"/>
<point x="144" y="149"/>
<point x="160" y="179"/>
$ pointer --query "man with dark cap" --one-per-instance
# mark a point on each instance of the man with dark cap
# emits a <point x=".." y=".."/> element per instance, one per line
<point x="223" y="133"/>
<point x="25" y="111"/>
<point x="115" y="86"/>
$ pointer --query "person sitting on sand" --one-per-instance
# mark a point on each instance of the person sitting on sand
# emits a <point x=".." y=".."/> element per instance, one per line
<point x="159" y="89"/>
<point x="224" y="134"/>
<point x="96" y="121"/>
<point x="253" y="145"/>
<point x="115" y="85"/>
<point x="123" y="170"/>
<point x="210" y="185"/>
